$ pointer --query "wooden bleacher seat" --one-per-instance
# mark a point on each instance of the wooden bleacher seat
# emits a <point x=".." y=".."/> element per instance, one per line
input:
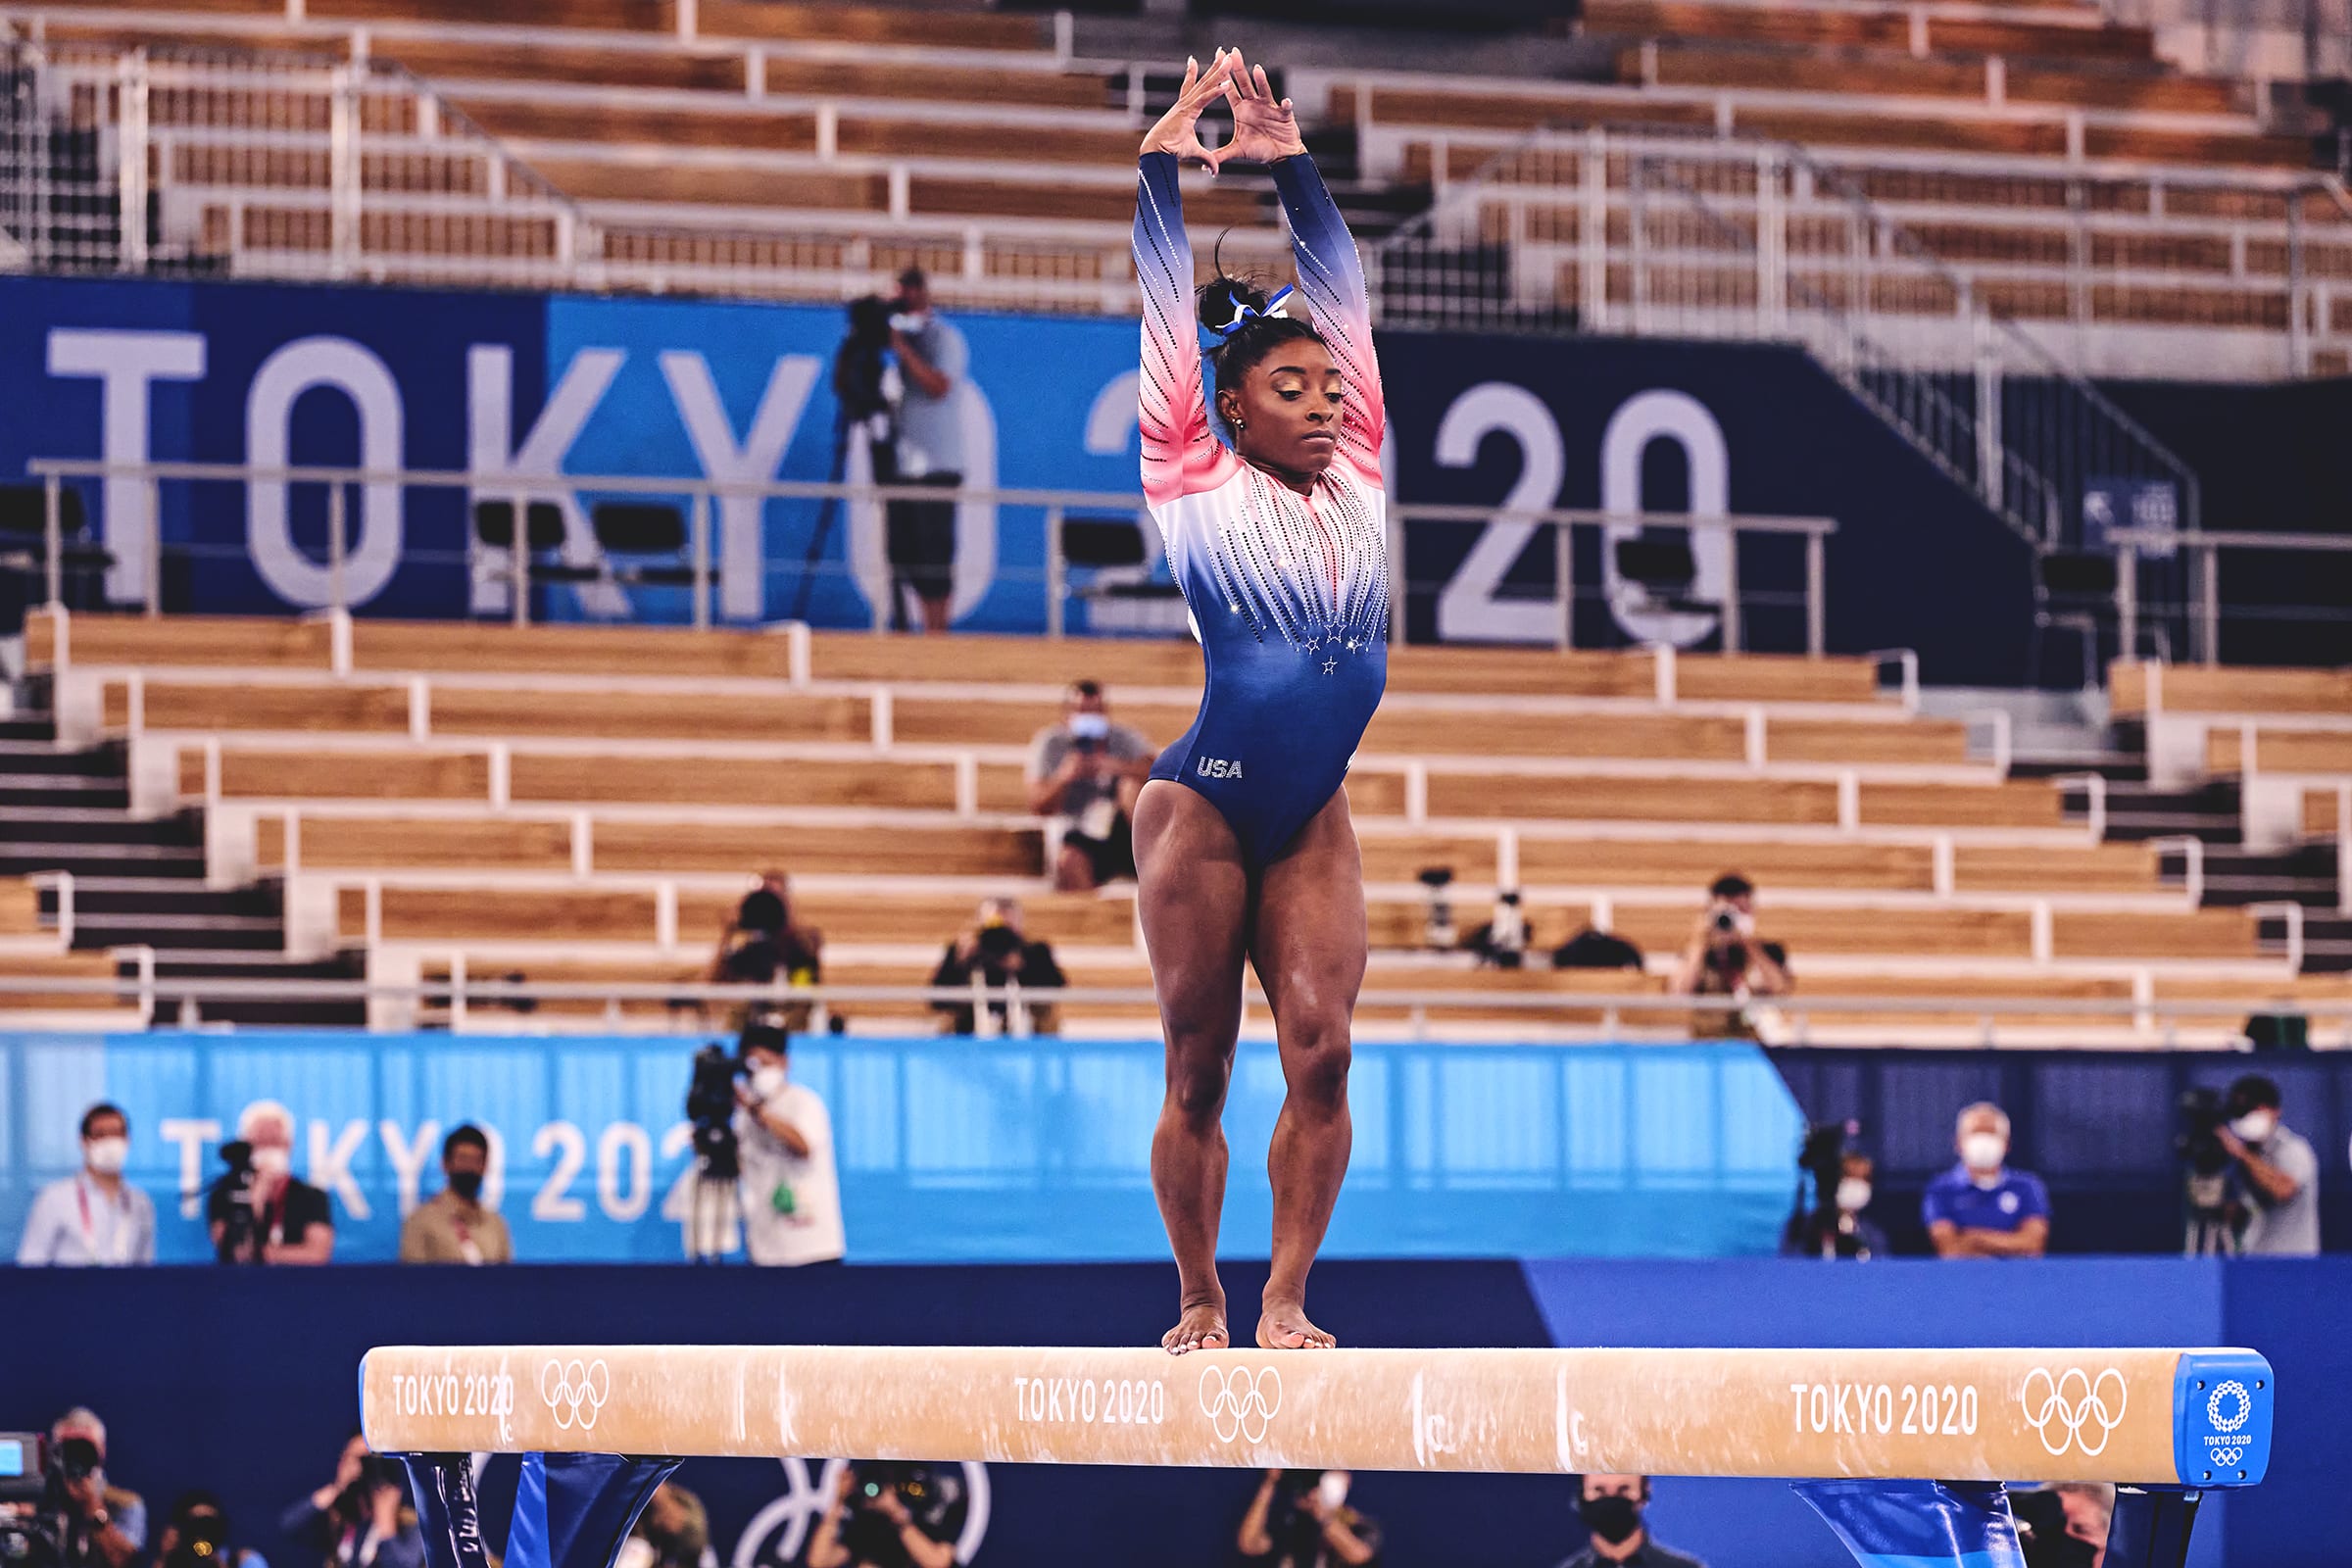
<point x="2279" y="751"/>
<point x="80" y="967"/>
<point x="559" y="916"/>
<point x="2021" y="804"/>
<point x="527" y="843"/>
<point x="1663" y="798"/>
<point x="2321" y="812"/>
<point x="1692" y="864"/>
<point x="2234" y="690"/>
<point x="2054" y="869"/>
<point x="216" y="641"/>
<point x="20" y="907"/>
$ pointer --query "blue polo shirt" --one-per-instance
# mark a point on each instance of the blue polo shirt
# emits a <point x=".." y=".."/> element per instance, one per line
<point x="1955" y="1195"/>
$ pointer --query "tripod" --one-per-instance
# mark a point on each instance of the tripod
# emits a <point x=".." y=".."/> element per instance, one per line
<point x="713" y="1214"/>
<point x="2209" y="1233"/>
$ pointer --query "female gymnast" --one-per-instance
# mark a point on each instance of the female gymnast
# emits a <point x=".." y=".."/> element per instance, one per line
<point x="1277" y="533"/>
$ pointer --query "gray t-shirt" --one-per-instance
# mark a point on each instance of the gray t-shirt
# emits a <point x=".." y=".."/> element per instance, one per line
<point x="2290" y="1229"/>
<point x="931" y="430"/>
<point x="1054" y="742"/>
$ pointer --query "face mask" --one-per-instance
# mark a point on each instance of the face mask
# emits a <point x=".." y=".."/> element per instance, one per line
<point x="767" y="1081"/>
<point x="273" y="1161"/>
<point x="2256" y="1125"/>
<point x="1853" y="1195"/>
<point x="467" y="1183"/>
<point x="1611" y="1518"/>
<point x="107" y="1155"/>
<point x="1332" y="1488"/>
<point x="1984" y="1152"/>
<point x="1088" y="726"/>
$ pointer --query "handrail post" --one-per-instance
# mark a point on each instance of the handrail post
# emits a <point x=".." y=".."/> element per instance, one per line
<point x="1057" y="573"/>
<point x="336" y="599"/>
<point x="53" y="535"/>
<point x="1563" y="569"/>
<point x="2209" y="602"/>
<point x="1817" y="615"/>
<point x="699" y="542"/>
<point x="132" y="137"/>
<point x="519" y="559"/>
<point x="1733" y="623"/>
<point x="2126" y="597"/>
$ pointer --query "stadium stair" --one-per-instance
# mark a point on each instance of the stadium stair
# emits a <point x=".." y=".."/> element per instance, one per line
<point x="139" y="883"/>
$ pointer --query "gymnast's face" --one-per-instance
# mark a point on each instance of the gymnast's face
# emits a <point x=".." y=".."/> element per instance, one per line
<point x="1286" y="413"/>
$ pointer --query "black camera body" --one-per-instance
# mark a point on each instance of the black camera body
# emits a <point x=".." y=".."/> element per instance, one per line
<point x="33" y="1476"/>
<point x="711" y="1110"/>
<point x="238" y="1231"/>
<point x="2198" y="1141"/>
<point x="858" y="362"/>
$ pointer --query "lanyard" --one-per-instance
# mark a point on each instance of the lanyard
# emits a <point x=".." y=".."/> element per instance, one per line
<point x="119" y="1245"/>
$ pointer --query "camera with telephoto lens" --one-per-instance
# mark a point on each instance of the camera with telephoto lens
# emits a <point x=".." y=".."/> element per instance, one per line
<point x="711" y="1110"/>
<point x="35" y="1518"/>
<point x="2205" y="1179"/>
<point x="858" y="362"/>
<point x="238" y="1230"/>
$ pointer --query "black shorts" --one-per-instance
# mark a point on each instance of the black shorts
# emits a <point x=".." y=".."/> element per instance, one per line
<point x="920" y="539"/>
<point x="1112" y="856"/>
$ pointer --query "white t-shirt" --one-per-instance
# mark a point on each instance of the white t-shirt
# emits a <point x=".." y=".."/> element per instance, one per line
<point x="811" y="1232"/>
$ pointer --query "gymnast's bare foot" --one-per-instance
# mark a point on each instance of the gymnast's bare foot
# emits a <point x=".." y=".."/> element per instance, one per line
<point x="1284" y="1326"/>
<point x="1200" y="1328"/>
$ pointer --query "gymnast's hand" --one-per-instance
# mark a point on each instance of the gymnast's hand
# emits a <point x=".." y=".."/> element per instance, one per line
<point x="1263" y="127"/>
<point x="1178" y="129"/>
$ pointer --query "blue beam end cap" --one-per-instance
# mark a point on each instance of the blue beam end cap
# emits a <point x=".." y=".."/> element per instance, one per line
<point x="2222" y="1402"/>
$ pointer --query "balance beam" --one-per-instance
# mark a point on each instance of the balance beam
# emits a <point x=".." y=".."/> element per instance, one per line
<point x="2196" y="1419"/>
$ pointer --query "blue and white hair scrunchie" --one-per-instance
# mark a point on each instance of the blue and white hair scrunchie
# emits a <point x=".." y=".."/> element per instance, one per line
<point x="1213" y="337"/>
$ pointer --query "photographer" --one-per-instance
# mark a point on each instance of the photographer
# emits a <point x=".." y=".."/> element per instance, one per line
<point x="790" y="1191"/>
<point x="762" y="945"/>
<point x="1301" y="1519"/>
<point x="932" y="357"/>
<point x="2063" y="1525"/>
<point x="452" y="1226"/>
<point x="261" y="1211"/>
<point x="2275" y="1184"/>
<point x="94" y="1217"/>
<point x="1726" y="957"/>
<point x="197" y="1535"/>
<point x="889" y="1516"/>
<point x="95" y="1525"/>
<point x="673" y="1532"/>
<point x="998" y="953"/>
<point x="1087" y="772"/>
<point x="360" y="1519"/>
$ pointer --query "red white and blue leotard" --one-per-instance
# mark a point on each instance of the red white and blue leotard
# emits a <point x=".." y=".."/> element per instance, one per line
<point x="1289" y="594"/>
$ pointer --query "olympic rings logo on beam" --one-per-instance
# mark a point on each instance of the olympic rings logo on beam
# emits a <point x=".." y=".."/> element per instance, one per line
<point x="2232" y="1389"/>
<point x="578" y="1391"/>
<point x="1240" y="1403"/>
<point x="2065" y="1409"/>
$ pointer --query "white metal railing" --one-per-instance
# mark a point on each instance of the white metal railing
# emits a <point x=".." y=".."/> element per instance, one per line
<point x="2204" y="609"/>
<point x="1599" y="1015"/>
<point x="341" y="164"/>
<point x="700" y="561"/>
<point x="1649" y="233"/>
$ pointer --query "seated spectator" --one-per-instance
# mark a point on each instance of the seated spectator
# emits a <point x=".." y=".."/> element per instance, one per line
<point x="261" y="1211"/>
<point x="1980" y="1207"/>
<point x="1301" y="1519"/>
<point x="762" y="945"/>
<point x="197" y="1535"/>
<point x="452" y="1226"/>
<point x="1840" y="1230"/>
<point x="104" y="1526"/>
<point x="94" y="1217"/>
<point x="361" y="1519"/>
<point x="1611" y="1508"/>
<point x="2275" y="1176"/>
<point x="673" y="1532"/>
<point x="1087" y="772"/>
<point x="998" y="953"/>
<point x="2063" y="1525"/>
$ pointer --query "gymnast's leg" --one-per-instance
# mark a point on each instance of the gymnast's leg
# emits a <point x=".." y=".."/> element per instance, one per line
<point x="1195" y="902"/>
<point x="1308" y="949"/>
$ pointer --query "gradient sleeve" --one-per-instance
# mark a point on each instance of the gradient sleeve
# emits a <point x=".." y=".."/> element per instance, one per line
<point x="1181" y="454"/>
<point x="1333" y="280"/>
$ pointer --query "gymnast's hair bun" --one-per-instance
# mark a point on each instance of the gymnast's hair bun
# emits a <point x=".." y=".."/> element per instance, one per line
<point x="1223" y="298"/>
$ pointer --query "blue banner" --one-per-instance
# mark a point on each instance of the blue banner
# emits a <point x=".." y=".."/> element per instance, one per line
<point x="949" y="1149"/>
